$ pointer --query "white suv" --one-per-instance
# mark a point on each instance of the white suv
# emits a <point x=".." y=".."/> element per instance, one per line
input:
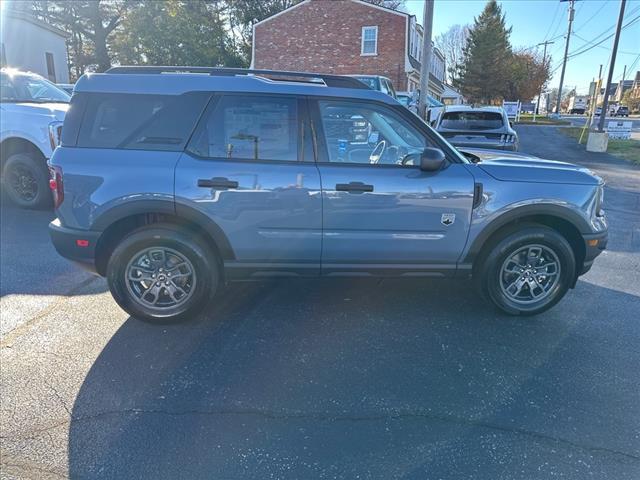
<point x="31" y="113"/>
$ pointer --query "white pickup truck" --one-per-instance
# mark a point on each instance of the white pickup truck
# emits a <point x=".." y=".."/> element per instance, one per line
<point x="31" y="113"/>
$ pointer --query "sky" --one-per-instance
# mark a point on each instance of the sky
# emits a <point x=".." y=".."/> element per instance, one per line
<point x="535" y="21"/>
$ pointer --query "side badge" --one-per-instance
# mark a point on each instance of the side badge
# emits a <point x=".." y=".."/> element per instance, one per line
<point x="448" y="219"/>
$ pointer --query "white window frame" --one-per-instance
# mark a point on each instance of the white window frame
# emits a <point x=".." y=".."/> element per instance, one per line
<point x="362" y="52"/>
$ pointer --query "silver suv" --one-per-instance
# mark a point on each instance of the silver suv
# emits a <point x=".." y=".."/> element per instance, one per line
<point x="477" y="127"/>
<point x="172" y="181"/>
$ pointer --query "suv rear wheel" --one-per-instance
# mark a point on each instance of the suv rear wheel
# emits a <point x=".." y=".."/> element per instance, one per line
<point x="26" y="181"/>
<point x="528" y="271"/>
<point x="161" y="274"/>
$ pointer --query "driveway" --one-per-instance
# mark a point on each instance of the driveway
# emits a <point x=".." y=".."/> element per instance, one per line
<point x="380" y="379"/>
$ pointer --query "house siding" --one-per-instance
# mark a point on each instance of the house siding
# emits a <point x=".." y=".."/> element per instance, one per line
<point x="31" y="55"/>
<point x="325" y="36"/>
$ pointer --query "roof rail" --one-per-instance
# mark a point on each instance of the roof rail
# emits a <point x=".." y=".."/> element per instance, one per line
<point x="328" y="80"/>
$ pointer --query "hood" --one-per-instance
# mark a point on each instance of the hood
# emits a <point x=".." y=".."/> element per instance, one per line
<point x="532" y="169"/>
<point x="54" y="110"/>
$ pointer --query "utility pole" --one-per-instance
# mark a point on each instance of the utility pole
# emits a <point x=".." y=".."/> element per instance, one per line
<point x="425" y="62"/>
<point x="596" y="92"/>
<point x="544" y="62"/>
<point x="566" y="51"/>
<point x="605" y="102"/>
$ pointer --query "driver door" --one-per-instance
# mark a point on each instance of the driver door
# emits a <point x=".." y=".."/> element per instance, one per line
<point x="381" y="213"/>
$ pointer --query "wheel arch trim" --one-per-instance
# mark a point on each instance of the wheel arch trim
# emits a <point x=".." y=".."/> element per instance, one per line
<point x="547" y="210"/>
<point x="167" y="208"/>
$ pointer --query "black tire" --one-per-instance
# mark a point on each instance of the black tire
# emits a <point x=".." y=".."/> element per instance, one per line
<point x="177" y="243"/>
<point x="25" y="179"/>
<point x="491" y="277"/>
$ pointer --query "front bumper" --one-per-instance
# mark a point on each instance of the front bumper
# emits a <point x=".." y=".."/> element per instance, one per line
<point x="78" y="246"/>
<point x="595" y="244"/>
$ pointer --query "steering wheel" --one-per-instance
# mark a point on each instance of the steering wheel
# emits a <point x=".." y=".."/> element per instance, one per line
<point x="377" y="152"/>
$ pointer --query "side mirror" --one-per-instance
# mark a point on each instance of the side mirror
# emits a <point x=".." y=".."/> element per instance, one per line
<point x="432" y="159"/>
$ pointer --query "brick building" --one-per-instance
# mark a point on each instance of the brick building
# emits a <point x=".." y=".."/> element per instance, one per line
<point x="346" y="37"/>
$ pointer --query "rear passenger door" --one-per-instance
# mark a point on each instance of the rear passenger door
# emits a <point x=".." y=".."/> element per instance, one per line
<point x="249" y="168"/>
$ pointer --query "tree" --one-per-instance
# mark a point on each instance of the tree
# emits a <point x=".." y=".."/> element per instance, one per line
<point x="451" y="43"/>
<point x="527" y="75"/>
<point x="90" y="23"/>
<point x="631" y="99"/>
<point x="484" y="70"/>
<point x="176" y="32"/>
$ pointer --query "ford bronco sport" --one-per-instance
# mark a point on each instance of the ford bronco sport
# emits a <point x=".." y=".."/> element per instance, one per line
<point x="171" y="181"/>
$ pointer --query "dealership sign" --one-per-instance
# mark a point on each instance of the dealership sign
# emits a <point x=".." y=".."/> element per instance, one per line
<point x="619" y="130"/>
<point x="512" y="109"/>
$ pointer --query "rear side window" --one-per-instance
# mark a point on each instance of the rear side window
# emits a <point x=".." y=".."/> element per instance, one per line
<point x="250" y="128"/>
<point x="140" y="122"/>
<point x="471" y="120"/>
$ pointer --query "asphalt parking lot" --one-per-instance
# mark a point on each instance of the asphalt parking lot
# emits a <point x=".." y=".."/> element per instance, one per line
<point x="325" y="379"/>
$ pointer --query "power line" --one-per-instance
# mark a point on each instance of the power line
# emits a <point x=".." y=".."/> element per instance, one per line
<point x="555" y="15"/>
<point x="631" y="12"/>
<point x="604" y="4"/>
<point x="552" y="22"/>
<point x="602" y="46"/>
<point x="584" y="50"/>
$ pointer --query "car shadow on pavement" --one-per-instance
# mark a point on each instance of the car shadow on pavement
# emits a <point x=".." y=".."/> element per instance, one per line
<point x="369" y="378"/>
<point x="29" y="264"/>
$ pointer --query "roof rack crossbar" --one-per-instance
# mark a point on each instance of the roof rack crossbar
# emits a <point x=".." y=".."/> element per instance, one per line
<point x="328" y="79"/>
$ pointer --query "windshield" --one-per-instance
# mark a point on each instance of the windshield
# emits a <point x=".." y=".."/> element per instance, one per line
<point x="472" y="120"/>
<point x="30" y="88"/>
<point x="371" y="82"/>
<point x="404" y="100"/>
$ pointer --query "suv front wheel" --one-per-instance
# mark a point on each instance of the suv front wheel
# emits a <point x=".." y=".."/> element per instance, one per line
<point x="161" y="274"/>
<point x="528" y="271"/>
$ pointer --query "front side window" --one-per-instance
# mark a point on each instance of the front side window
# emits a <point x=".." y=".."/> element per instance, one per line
<point x="369" y="134"/>
<point x="472" y="120"/>
<point x="30" y="88"/>
<point x="250" y="128"/>
<point x="369" y="41"/>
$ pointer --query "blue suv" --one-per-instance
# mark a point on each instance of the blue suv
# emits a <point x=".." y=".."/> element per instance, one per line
<point x="173" y="181"/>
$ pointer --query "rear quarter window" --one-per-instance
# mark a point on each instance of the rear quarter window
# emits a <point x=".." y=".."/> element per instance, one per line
<point x="140" y="122"/>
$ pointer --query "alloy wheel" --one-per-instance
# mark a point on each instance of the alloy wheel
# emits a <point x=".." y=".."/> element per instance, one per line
<point x="160" y="278"/>
<point x="530" y="274"/>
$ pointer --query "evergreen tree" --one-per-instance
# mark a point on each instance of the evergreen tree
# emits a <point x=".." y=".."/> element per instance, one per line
<point x="484" y="72"/>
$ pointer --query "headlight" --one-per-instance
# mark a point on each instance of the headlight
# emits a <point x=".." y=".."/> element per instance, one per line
<point x="55" y="134"/>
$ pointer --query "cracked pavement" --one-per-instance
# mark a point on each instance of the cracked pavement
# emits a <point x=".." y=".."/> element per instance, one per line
<point x="327" y="379"/>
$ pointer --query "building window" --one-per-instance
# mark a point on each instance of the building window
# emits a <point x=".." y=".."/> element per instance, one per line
<point x="369" y="41"/>
<point x="51" y="69"/>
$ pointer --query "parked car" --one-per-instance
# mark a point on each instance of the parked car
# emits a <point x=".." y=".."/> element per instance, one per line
<point x="482" y="127"/>
<point x="409" y="100"/>
<point x="598" y="111"/>
<point x="621" y="111"/>
<point x="67" y="87"/>
<point x="577" y="111"/>
<point x="32" y="110"/>
<point x="246" y="176"/>
<point x="377" y="82"/>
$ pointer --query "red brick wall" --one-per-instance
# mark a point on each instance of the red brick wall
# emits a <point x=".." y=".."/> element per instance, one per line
<point x="325" y="36"/>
